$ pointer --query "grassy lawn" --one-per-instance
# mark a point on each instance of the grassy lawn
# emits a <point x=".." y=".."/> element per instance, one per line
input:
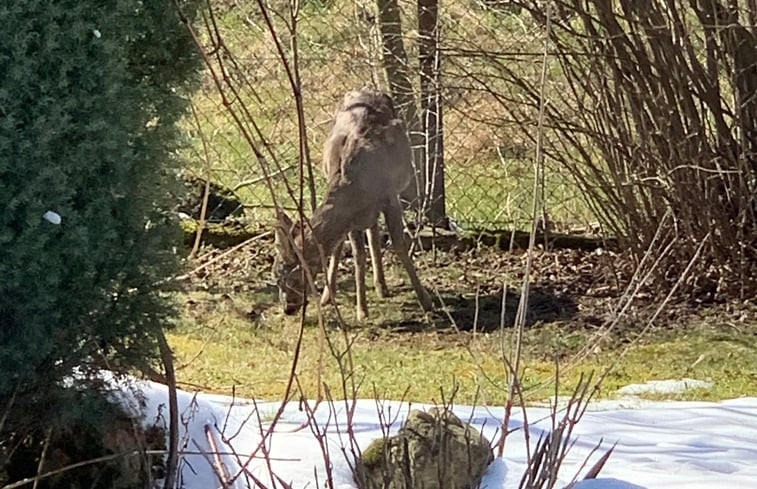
<point x="223" y="350"/>
<point x="234" y="335"/>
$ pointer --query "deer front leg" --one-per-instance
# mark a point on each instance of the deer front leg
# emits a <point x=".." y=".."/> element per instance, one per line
<point x="374" y="245"/>
<point x="393" y="215"/>
<point x="330" y="289"/>
<point x="357" y="240"/>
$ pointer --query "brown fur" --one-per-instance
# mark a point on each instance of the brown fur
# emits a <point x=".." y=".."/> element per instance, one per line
<point x="367" y="161"/>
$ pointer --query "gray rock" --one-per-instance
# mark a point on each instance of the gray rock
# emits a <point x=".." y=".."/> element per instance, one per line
<point x="433" y="450"/>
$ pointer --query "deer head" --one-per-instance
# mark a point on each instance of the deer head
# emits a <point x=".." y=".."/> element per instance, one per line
<point x="378" y="102"/>
<point x="288" y="271"/>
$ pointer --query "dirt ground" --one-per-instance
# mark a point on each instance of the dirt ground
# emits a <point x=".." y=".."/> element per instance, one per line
<point x="579" y="288"/>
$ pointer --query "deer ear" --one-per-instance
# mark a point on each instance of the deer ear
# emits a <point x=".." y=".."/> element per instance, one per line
<point x="283" y="220"/>
<point x="283" y="235"/>
<point x="389" y="103"/>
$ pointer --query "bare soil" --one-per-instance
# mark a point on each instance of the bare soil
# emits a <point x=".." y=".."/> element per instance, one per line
<point x="579" y="289"/>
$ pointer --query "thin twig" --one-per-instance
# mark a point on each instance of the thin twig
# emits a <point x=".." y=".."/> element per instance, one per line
<point x="172" y="464"/>
<point x="255" y="181"/>
<point x="222" y="255"/>
<point x="218" y="466"/>
<point x="8" y="407"/>
<point x="520" y="316"/>
<point x="67" y="468"/>
<point x="43" y="455"/>
<point x="206" y="190"/>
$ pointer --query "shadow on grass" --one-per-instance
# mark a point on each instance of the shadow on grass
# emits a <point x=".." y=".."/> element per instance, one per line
<point x="401" y="313"/>
<point x="485" y="312"/>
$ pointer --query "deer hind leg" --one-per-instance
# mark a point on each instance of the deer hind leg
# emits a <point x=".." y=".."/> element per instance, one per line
<point x="357" y="240"/>
<point x="393" y="215"/>
<point x="329" y="290"/>
<point x="374" y="245"/>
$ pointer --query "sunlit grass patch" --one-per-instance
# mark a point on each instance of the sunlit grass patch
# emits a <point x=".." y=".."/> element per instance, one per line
<point x="219" y="347"/>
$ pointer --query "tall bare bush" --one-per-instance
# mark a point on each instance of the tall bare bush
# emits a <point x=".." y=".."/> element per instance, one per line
<point x="662" y="120"/>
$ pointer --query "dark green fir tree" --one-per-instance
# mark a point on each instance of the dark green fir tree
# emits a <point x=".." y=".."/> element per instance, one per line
<point x="90" y="96"/>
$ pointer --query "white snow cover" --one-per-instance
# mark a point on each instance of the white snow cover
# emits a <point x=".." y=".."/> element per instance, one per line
<point x="667" y="386"/>
<point x="660" y="445"/>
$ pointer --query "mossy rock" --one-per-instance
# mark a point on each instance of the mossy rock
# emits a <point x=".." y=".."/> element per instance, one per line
<point x="222" y="202"/>
<point x="433" y="450"/>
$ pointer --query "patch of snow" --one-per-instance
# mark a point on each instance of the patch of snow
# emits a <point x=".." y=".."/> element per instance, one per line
<point x="670" y="386"/>
<point x="660" y="445"/>
<point x="606" y="484"/>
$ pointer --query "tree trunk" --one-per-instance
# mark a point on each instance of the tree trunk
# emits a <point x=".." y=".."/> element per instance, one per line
<point x="397" y="74"/>
<point x="431" y="110"/>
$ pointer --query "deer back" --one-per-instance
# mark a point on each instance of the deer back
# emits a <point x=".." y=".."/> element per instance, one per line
<point x="368" y="146"/>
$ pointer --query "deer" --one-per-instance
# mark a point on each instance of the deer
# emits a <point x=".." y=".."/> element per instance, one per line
<point x="367" y="162"/>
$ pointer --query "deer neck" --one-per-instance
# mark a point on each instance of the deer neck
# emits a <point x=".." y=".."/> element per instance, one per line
<point x="328" y="227"/>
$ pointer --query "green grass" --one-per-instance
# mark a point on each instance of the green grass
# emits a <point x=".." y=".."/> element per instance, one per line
<point x="219" y="348"/>
<point x="499" y="194"/>
<point x="239" y="338"/>
<point x="338" y="53"/>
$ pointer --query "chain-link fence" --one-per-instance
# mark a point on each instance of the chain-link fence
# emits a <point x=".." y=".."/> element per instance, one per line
<point x="488" y="146"/>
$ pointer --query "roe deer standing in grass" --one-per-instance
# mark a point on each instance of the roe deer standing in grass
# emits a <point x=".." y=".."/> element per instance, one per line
<point x="367" y="161"/>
